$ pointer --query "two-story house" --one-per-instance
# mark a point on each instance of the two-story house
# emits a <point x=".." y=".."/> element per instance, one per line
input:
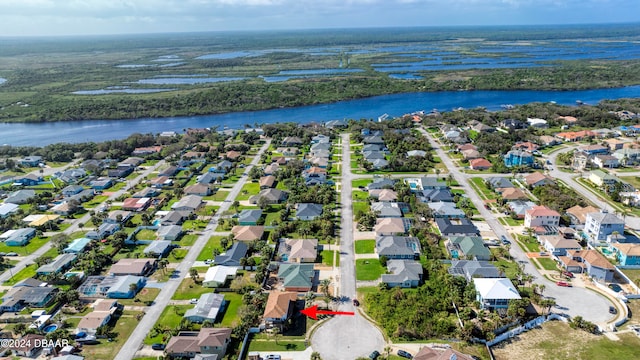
<point x="600" y="224"/>
<point x="541" y="216"/>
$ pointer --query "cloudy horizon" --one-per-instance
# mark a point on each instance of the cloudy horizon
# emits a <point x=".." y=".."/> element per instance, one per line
<point x="102" y="17"/>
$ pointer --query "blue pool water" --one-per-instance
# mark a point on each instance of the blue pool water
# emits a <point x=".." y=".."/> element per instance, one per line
<point x="157" y="222"/>
<point x="50" y="328"/>
<point x="454" y="254"/>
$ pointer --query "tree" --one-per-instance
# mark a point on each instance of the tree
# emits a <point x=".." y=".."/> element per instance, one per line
<point x="325" y="285"/>
<point x="193" y="272"/>
<point x="263" y="203"/>
<point x="236" y="206"/>
<point x="243" y="262"/>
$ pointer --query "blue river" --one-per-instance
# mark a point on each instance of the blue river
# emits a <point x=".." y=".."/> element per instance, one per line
<point x="38" y="134"/>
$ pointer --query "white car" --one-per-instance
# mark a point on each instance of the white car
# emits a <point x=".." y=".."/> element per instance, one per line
<point x="193" y="301"/>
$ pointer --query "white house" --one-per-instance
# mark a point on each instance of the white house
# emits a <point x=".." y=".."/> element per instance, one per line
<point x="495" y="293"/>
<point x="217" y="275"/>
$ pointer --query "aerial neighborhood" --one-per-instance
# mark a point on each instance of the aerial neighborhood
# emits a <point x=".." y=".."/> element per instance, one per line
<point x="207" y="244"/>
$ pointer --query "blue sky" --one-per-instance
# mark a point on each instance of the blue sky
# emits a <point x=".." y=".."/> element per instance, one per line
<point x="86" y="17"/>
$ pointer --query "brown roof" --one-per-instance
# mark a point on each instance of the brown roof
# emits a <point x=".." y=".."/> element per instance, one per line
<point x="541" y="210"/>
<point x="581" y="212"/>
<point x="467" y="147"/>
<point x="130" y="266"/>
<point x="316" y="170"/>
<point x="247" y="233"/>
<point x="470" y="154"/>
<point x="386" y="195"/>
<point x="278" y="304"/>
<point x="476" y="163"/>
<point x="233" y="154"/>
<point x="211" y="337"/>
<point x="536" y="177"/>
<point x="303" y="248"/>
<point x="93" y="320"/>
<point x="427" y="353"/>
<point x="268" y="181"/>
<point x="104" y="304"/>
<point x="512" y="194"/>
<point x="593" y="257"/>
<point x="196" y="188"/>
<point x="628" y="249"/>
<point x="569" y="119"/>
<point x="389" y="225"/>
<point x="27" y="342"/>
<point x="526" y="145"/>
<point x="568" y="261"/>
<point x="281" y="160"/>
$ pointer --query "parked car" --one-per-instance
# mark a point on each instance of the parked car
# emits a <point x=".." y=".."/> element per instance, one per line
<point x="405" y="354"/>
<point x="272" y="357"/>
<point x="157" y="346"/>
<point x="208" y="261"/>
<point x="504" y="240"/>
<point x="356" y="302"/>
<point x="613" y="310"/>
<point x="615" y="287"/>
<point x="568" y="274"/>
<point x="563" y="283"/>
<point x="193" y="301"/>
<point x="12" y="254"/>
<point x="374" y="355"/>
<point x="542" y="253"/>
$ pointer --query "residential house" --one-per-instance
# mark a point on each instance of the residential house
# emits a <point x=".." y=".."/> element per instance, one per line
<point x="435" y="195"/>
<point x="384" y="195"/>
<point x="137" y="267"/>
<point x="292" y="141"/>
<point x="158" y="248"/>
<point x="615" y="144"/>
<point x="470" y="154"/>
<point x="232" y="256"/>
<point x="381" y="183"/>
<point x="331" y="124"/>
<point x="267" y="182"/>
<point x="209" y="177"/>
<point x="469" y="247"/>
<point x="538" y="179"/>
<point x="249" y="217"/>
<point x="132" y="161"/>
<point x="103" y="231"/>
<point x="29" y="292"/>
<point x="558" y="245"/>
<point x="391" y="226"/>
<point x="198" y="189"/>
<point x="398" y="247"/>
<point x="232" y="155"/>
<point x="222" y="167"/>
<point x="537" y="123"/>
<point x="374" y="139"/>
<point x="28" y="180"/>
<point x="581" y="160"/>
<point x="31" y="161"/>
<point x="208" y="308"/>
<point x="482" y="128"/>
<point x="288" y="151"/>
<point x="189" y="203"/>
<point x="170" y="171"/>
<point x="600" y="224"/>
<point x="461" y="148"/>
<point x="120" y="287"/>
<point x="386" y="209"/>
<point x="602" y="179"/>
<point x="271" y="169"/>
<point x="218" y="275"/>
<point x="247" y="233"/>
<point x="594" y="149"/>
<point x="546" y="140"/>
<point x="147" y="192"/>
<point x="480" y="164"/>
<point x="174" y="218"/>
<point x="512" y="194"/>
<point x="578" y="214"/>
<point x="372" y="147"/>
<point x="495" y="293"/>
<point x="298" y="250"/>
<point x="513" y="124"/>
<point x="541" y="216"/>
<point x="416" y="153"/>
<point x="606" y="161"/>
<point x="61" y="263"/>
<point x="527" y="146"/>
<point x="445" y="210"/>
<point x="7" y="209"/>
<point x="118" y="217"/>
<point x="146" y="150"/>
<point x="77" y="246"/>
<point x="425" y="183"/>
<point x="573" y="136"/>
<point x="379" y="163"/>
<point x="627" y="254"/>
<point x="120" y="171"/>
<point x="271" y="196"/>
<point x="308" y="211"/>
<point x="161" y="182"/>
<point x="520" y="207"/>
<point x="403" y="273"/>
<point x="498" y="182"/>
<point x="518" y="158"/>
<point x="136" y="204"/>
<point x="456" y="227"/>
<point x="170" y="232"/>
<point x="627" y="156"/>
<point x="280" y="307"/>
<point x="27" y="346"/>
<point x="296" y="277"/>
<point x="20" y="237"/>
<point x="188" y="344"/>
<point x="591" y="262"/>
<point x="472" y="269"/>
<point x="20" y="196"/>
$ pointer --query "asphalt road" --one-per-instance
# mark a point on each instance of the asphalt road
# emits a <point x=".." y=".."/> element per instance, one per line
<point x="29" y="259"/>
<point x="134" y="342"/>
<point x="347" y="337"/>
<point x="573" y="301"/>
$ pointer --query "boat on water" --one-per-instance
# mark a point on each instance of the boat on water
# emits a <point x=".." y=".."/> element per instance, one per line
<point x="507" y="106"/>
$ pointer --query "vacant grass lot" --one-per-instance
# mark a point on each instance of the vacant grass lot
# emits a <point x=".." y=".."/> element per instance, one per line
<point x="368" y="269"/>
<point x="107" y="350"/>
<point x="207" y="251"/>
<point x="190" y="290"/>
<point x="556" y="340"/>
<point x="170" y="317"/>
<point x="548" y="264"/>
<point x="365" y="246"/>
<point x="248" y="190"/>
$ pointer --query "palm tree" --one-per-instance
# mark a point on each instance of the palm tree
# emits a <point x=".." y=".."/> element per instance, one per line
<point x="324" y="286"/>
<point x="243" y="262"/>
<point x="193" y="272"/>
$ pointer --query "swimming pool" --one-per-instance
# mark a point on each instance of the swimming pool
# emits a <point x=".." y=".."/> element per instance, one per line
<point x="454" y="254"/>
<point x="50" y="328"/>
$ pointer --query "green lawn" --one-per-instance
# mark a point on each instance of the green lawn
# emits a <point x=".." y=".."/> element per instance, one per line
<point x="548" y="264"/>
<point x="107" y="350"/>
<point x="248" y="190"/>
<point x="188" y="240"/>
<point x="283" y="344"/>
<point x="512" y="222"/>
<point x="271" y="217"/>
<point x="481" y="188"/>
<point x="177" y="255"/>
<point x="28" y="249"/>
<point x="207" y="251"/>
<point x="361" y="182"/>
<point x="327" y="257"/>
<point x="189" y="290"/>
<point x="170" y="317"/>
<point x="365" y="246"/>
<point x="145" y="295"/>
<point x="27" y="272"/>
<point x="220" y="195"/>
<point x="369" y="269"/>
<point x="231" y="317"/>
<point x="146" y="234"/>
<point x="358" y="195"/>
<point x="360" y="206"/>
<point x="97" y="200"/>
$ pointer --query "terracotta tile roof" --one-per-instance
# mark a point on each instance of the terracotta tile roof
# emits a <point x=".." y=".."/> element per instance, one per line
<point x="535" y="178"/>
<point x="512" y="194"/>
<point x="542" y="211"/>
<point x="580" y="212"/>
<point x="278" y="304"/>
<point x="247" y="233"/>
<point x="476" y="163"/>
